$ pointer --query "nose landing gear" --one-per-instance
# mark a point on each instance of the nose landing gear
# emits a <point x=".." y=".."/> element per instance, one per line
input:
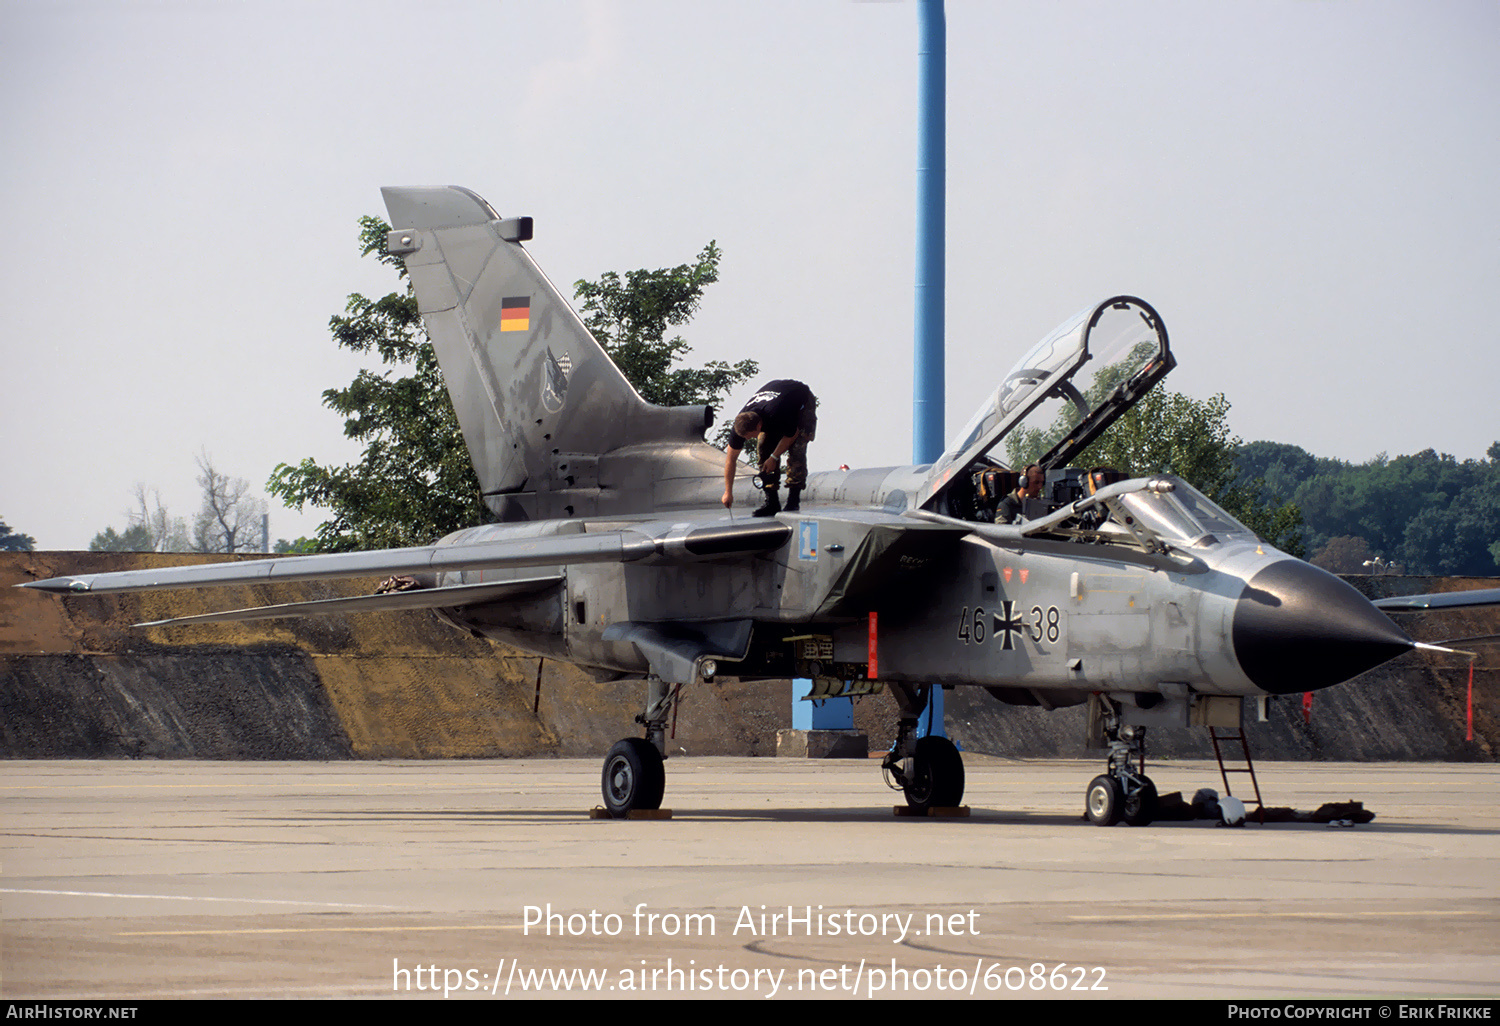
<point x="1123" y="792"/>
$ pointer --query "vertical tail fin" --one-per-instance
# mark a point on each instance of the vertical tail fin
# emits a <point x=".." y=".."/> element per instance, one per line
<point x="537" y="397"/>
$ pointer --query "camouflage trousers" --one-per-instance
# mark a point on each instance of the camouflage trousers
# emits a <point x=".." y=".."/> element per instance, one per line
<point x="796" y="467"/>
<point x="796" y="463"/>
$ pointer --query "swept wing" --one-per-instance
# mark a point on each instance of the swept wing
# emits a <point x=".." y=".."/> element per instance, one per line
<point x="493" y="548"/>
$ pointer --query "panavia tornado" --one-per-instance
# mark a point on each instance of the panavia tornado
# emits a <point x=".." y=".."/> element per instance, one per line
<point x="611" y="549"/>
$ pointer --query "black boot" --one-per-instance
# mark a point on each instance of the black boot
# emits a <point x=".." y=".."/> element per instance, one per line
<point x="771" y="506"/>
<point x="793" y="499"/>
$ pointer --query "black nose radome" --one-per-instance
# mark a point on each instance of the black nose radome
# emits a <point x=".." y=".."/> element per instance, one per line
<point x="1298" y="628"/>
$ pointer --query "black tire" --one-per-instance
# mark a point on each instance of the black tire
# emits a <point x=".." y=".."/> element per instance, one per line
<point x="937" y="775"/>
<point x="634" y="777"/>
<point x="1140" y="808"/>
<point x="1104" y="801"/>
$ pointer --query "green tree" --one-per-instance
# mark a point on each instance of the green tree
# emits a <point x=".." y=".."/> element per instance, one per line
<point x="1024" y="445"/>
<point x="415" y="481"/>
<point x="14" y="541"/>
<point x="135" y="538"/>
<point x="630" y="317"/>
<point x="1463" y="536"/>
<point x="1281" y="467"/>
<point x="1429" y="511"/>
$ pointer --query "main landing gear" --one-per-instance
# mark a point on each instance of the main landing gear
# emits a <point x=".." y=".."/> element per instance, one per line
<point x="635" y="777"/>
<point x="929" y="769"/>
<point x="1123" y="791"/>
<point x="635" y="774"/>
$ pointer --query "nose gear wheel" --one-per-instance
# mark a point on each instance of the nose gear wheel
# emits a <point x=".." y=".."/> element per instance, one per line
<point x="1123" y="792"/>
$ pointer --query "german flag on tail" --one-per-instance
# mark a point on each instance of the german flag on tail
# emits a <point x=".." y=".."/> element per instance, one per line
<point x="515" y="313"/>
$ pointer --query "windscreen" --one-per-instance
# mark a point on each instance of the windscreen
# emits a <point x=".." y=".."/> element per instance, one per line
<point x="1182" y="516"/>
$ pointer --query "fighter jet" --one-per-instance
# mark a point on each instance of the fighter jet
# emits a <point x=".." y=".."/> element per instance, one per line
<point x="610" y="548"/>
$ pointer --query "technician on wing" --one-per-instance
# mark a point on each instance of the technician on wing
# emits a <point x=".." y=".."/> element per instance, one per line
<point x="783" y="416"/>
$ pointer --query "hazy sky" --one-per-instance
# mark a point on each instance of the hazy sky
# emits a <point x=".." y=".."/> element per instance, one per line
<point x="1305" y="190"/>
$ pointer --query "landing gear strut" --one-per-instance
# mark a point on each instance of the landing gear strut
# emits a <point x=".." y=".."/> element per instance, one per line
<point x="1123" y="792"/>
<point x="928" y="769"/>
<point x="635" y="775"/>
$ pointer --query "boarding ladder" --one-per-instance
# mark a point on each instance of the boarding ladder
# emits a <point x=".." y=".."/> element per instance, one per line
<point x="1236" y="735"/>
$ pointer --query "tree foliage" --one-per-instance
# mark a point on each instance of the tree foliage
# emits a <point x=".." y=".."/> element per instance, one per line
<point x="1168" y="432"/>
<point x="1025" y="445"/>
<point x="415" y="481"/>
<point x="630" y="317"/>
<point x="135" y="538"/>
<point x="1427" y="512"/>
<point x="14" y="541"/>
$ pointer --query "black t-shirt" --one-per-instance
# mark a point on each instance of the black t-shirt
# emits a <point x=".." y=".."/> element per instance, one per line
<point x="779" y="404"/>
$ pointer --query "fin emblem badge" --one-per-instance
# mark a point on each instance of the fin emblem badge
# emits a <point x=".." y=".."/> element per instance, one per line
<point x="555" y="381"/>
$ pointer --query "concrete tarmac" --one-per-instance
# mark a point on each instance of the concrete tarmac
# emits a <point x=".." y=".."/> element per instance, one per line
<point x="775" y="878"/>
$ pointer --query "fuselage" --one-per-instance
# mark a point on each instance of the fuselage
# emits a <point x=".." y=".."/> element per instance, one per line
<point x="1037" y="618"/>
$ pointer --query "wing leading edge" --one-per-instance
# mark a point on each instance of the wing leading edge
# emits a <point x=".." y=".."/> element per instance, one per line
<point x="455" y="596"/>
<point x="614" y="547"/>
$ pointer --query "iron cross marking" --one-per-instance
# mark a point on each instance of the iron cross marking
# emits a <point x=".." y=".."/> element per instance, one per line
<point x="1011" y="626"/>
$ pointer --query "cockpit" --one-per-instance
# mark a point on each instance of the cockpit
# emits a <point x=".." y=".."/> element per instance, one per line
<point x="1058" y="399"/>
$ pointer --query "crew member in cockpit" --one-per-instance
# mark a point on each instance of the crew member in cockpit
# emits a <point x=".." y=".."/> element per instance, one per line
<point x="1008" y="510"/>
<point x="1100" y="477"/>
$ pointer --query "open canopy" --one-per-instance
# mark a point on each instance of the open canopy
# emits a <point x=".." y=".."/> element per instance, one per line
<point x="1065" y="391"/>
